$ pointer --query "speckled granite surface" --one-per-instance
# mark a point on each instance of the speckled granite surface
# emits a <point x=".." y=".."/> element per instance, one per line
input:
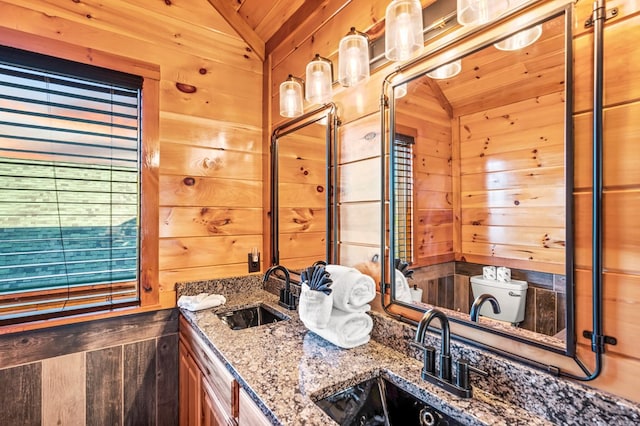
<point x="560" y="401"/>
<point x="285" y="368"/>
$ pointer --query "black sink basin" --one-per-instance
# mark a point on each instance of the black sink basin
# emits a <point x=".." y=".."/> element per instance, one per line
<point x="252" y="316"/>
<point x="377" y="401"/>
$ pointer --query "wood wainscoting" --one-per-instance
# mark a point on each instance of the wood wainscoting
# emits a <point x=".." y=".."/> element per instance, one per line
<point x="104" y="372"/>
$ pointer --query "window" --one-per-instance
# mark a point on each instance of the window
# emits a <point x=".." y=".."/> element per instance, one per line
<point x="403" y="193"/>
<point x="70" y="174"/>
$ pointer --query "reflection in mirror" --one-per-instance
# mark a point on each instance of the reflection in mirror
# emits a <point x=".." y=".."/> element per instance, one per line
<point x="479" y="178"/>
<point x="302" y="204"/>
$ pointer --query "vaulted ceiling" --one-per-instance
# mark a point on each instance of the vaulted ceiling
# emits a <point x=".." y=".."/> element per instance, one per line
<point x="266" y="22"/>
<point x="263" y="24"/>
<point x="265" y="16"/>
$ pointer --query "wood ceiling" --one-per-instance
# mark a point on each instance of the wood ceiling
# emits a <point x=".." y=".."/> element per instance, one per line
<point x="264" y="24"/>
<point x="490" y="76"/>
<point x="266" y="16"/>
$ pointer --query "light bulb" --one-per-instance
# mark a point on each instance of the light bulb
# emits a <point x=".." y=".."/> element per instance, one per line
<point x="402" y="35"/>
<point x="353" y="65"/>
<point x="290" y="101"/>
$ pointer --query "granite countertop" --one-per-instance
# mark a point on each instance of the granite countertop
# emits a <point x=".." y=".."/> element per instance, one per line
<point x="285" y="368"/>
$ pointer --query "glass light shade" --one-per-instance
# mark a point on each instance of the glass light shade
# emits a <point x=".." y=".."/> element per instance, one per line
<point x="478" y="12"/>
<point x="318" y="81"/>
<point x="353" y="59"/>
<point x="400" y="91"/>
<point x="403" y="29"/>
<point x="520" y="39"/>
<point x="446" y="71"/>
<point x="291" y="98"/>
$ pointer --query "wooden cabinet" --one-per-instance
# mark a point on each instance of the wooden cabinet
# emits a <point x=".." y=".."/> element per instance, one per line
<point x="249" y="413"/>
<point x="190" y="389"/>
<point x="213" y="410"/>
<point x="209" y="395"/>
<point x="208" y="392"/>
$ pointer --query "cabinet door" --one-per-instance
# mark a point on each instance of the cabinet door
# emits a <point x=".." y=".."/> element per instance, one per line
<point x="213" y="412"/>
<point x="190" y="389"/>
<point x="249" y="413"/>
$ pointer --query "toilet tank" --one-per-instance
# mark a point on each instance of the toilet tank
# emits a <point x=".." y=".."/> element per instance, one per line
<point x="511" y="296"/>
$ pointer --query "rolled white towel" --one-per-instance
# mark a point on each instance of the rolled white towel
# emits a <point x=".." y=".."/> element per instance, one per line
<point x="403" y="292"/>
<point x="346" y="329"/>
<point x="352" y="290"/>
<point x="201" y="301"/>
<point x="314" y="307"/>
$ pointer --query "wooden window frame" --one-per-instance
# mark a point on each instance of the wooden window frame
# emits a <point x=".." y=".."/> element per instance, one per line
<point x="148" y="284"/>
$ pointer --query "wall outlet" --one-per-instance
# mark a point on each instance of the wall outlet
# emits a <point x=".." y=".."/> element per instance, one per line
<point x="253" y="260"/>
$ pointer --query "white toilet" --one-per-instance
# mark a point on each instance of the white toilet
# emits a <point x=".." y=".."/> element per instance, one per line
<point x="511" y="296"/>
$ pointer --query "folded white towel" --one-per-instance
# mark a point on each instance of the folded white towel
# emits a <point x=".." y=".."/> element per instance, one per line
<point x="314" y="307"/>
<point x="403" y="292"/>
<point x="346" y="329"/>
<point x="201" y="301"/>
<point x="352" y="290"/>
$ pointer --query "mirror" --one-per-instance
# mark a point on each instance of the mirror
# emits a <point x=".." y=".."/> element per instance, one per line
<point x="480" y="174"/>
<point x="302" y="201"/>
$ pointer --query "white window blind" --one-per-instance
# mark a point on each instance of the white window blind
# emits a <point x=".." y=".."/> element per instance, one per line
<point x="403" y="194"/>
<point x="69" y="187"/>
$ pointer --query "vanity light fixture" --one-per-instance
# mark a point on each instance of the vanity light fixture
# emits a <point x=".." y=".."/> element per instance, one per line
<point x="478" y="12"/>
<point x="403" y="29"/>
<point x="319" y="77"/>
<point x="291" y="97"/>
<point x="447" y="70"/>
<point x="521" y="39"/>
<point x="353" y="58"/>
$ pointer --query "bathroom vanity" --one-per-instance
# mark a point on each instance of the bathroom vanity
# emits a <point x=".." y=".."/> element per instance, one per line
<point x="275" y="373"/>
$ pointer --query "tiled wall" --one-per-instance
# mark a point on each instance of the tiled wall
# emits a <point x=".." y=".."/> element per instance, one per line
<point x="447" y="285"/>
<point x="118" y="371"/>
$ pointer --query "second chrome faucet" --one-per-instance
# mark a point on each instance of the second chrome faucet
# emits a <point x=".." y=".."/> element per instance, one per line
<point x="444" y="377"/>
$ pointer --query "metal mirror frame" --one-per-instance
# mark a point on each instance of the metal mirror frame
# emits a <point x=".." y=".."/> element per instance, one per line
<point x="328" y="111"/>
<point x="388" y="102"/>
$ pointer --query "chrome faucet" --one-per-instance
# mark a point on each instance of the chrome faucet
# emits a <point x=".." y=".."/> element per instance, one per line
<point x="444" y="379"/>
<point x="287" y="299"/>
<point x="477" y="304"/>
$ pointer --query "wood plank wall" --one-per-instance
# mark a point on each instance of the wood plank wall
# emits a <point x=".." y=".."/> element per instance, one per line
<point x="106" y="372"/>
<point x="360" y="165"/>
<point x="421" y="112"/>
<point x="506" y="169"/>
<point x="211" y="149"/>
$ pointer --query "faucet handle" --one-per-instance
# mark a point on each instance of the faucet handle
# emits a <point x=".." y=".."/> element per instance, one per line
<point x="418" y="345"/>
<point x="477" y="370"/>
<point x="463" y="368"/>
<point x="429" y="360"/>
<point x="462" y="373"/>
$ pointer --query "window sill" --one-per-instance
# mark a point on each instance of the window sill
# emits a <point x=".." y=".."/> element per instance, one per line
<point x="37" y="325"/>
